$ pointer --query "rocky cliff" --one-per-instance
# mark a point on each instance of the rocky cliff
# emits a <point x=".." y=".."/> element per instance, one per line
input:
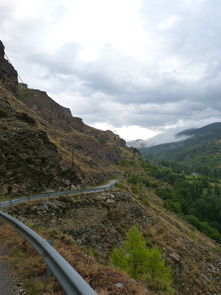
<point x="29" y="161"/>
<point x="94" y="151"/>
<point x="8" y="75"/>
<point x="43" y="147"/>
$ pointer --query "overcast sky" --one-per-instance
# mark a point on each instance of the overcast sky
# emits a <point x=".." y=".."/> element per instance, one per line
<point x="136" y="67"/>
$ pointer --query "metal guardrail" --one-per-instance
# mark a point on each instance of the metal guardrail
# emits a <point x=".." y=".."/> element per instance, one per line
<point x="57" y="194"/>
<point x="71" y="281"/>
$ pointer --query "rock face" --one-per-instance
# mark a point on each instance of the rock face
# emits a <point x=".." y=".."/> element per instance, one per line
<point x="29" y="161"/>
<point x="60" y="117"/>
<point x="8" y="75"/>
<point x="43" y="147"/>
<point x="2" y="50"/>
<point x="56" y="115"/>
<point x="95" y="151"/>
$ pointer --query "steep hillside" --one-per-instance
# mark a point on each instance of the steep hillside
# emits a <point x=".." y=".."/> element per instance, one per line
<point x="201" y="152"/>
<point x="70" y="132"/>
<point x="99" y="222"/>
<point x="42" y="147"/>
<point x="29" y="161"/>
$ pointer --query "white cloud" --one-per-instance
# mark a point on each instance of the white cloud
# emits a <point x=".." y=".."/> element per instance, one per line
<point x="128" y="132"/>
<point x="168" y="23"/>
<point x="133" y="65"/>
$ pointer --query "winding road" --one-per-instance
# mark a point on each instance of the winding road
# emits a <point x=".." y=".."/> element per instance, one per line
<point x="96" y="189"/>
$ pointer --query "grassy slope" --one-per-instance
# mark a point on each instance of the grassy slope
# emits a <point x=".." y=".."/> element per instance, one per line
<point x="99" y="225"/>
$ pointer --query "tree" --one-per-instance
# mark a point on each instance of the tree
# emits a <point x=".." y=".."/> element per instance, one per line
<point x="142" y="263"/>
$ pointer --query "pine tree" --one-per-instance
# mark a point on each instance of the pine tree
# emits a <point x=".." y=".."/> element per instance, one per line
<point x="142" y="263"/>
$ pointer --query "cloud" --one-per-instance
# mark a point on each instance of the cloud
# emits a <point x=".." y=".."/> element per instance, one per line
<point x="151" y="64"/>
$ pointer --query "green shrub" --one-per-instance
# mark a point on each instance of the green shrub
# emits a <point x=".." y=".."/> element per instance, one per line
<point x="173" y="205"/>
<point x="135" y="188"/>
<point x="3" y="113"/>
<point x="120" y="185"/>
<point x="153" y="184"/>
<point x="145" y="201"/>
<point x="135" y="179"/>
<point x="142" y="263"/>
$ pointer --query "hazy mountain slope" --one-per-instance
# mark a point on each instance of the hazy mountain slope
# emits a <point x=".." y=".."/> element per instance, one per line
<point x="202" y="151"/>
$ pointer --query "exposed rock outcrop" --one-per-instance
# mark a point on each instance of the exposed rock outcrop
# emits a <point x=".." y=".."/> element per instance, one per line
<point x="8" y="75"/>
<point x="29" y="161"/>
<point x="43" y="147"/>
<point x="2" y="50"/>
<point x="93" y="149"/>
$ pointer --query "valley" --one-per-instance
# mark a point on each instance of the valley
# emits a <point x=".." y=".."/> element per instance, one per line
<point x="43" y="148"/>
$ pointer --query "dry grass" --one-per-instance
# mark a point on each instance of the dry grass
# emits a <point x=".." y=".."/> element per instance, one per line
<point x="31" y="270"/>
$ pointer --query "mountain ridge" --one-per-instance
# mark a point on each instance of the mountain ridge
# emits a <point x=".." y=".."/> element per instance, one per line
<point x="201" y="150"/>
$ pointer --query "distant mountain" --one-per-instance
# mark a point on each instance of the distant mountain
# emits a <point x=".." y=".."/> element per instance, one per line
<point x="162" y="138"/>
<point x="137" y="143"/>
<point x="187" y="132"/>
<point x="200" y="152"/>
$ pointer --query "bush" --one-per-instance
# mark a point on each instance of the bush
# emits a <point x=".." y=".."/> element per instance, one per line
<point x="135" y="179"/>
<point x="3" y="113"/>
<point x="120" y="185"/>
<point x="173" y="205"/>
<point x="142" y="263"/>
<point x="204" y="227"/>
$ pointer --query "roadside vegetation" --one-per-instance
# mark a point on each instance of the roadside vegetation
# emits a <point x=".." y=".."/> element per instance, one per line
<point x="142" y="263"/>
<point x="32" y="271"/>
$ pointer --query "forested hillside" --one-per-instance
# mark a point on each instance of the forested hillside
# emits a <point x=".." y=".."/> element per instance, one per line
<point x="197" y="198"/>
<point x="201" y="152"/>
<point x="192" y="169"/>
